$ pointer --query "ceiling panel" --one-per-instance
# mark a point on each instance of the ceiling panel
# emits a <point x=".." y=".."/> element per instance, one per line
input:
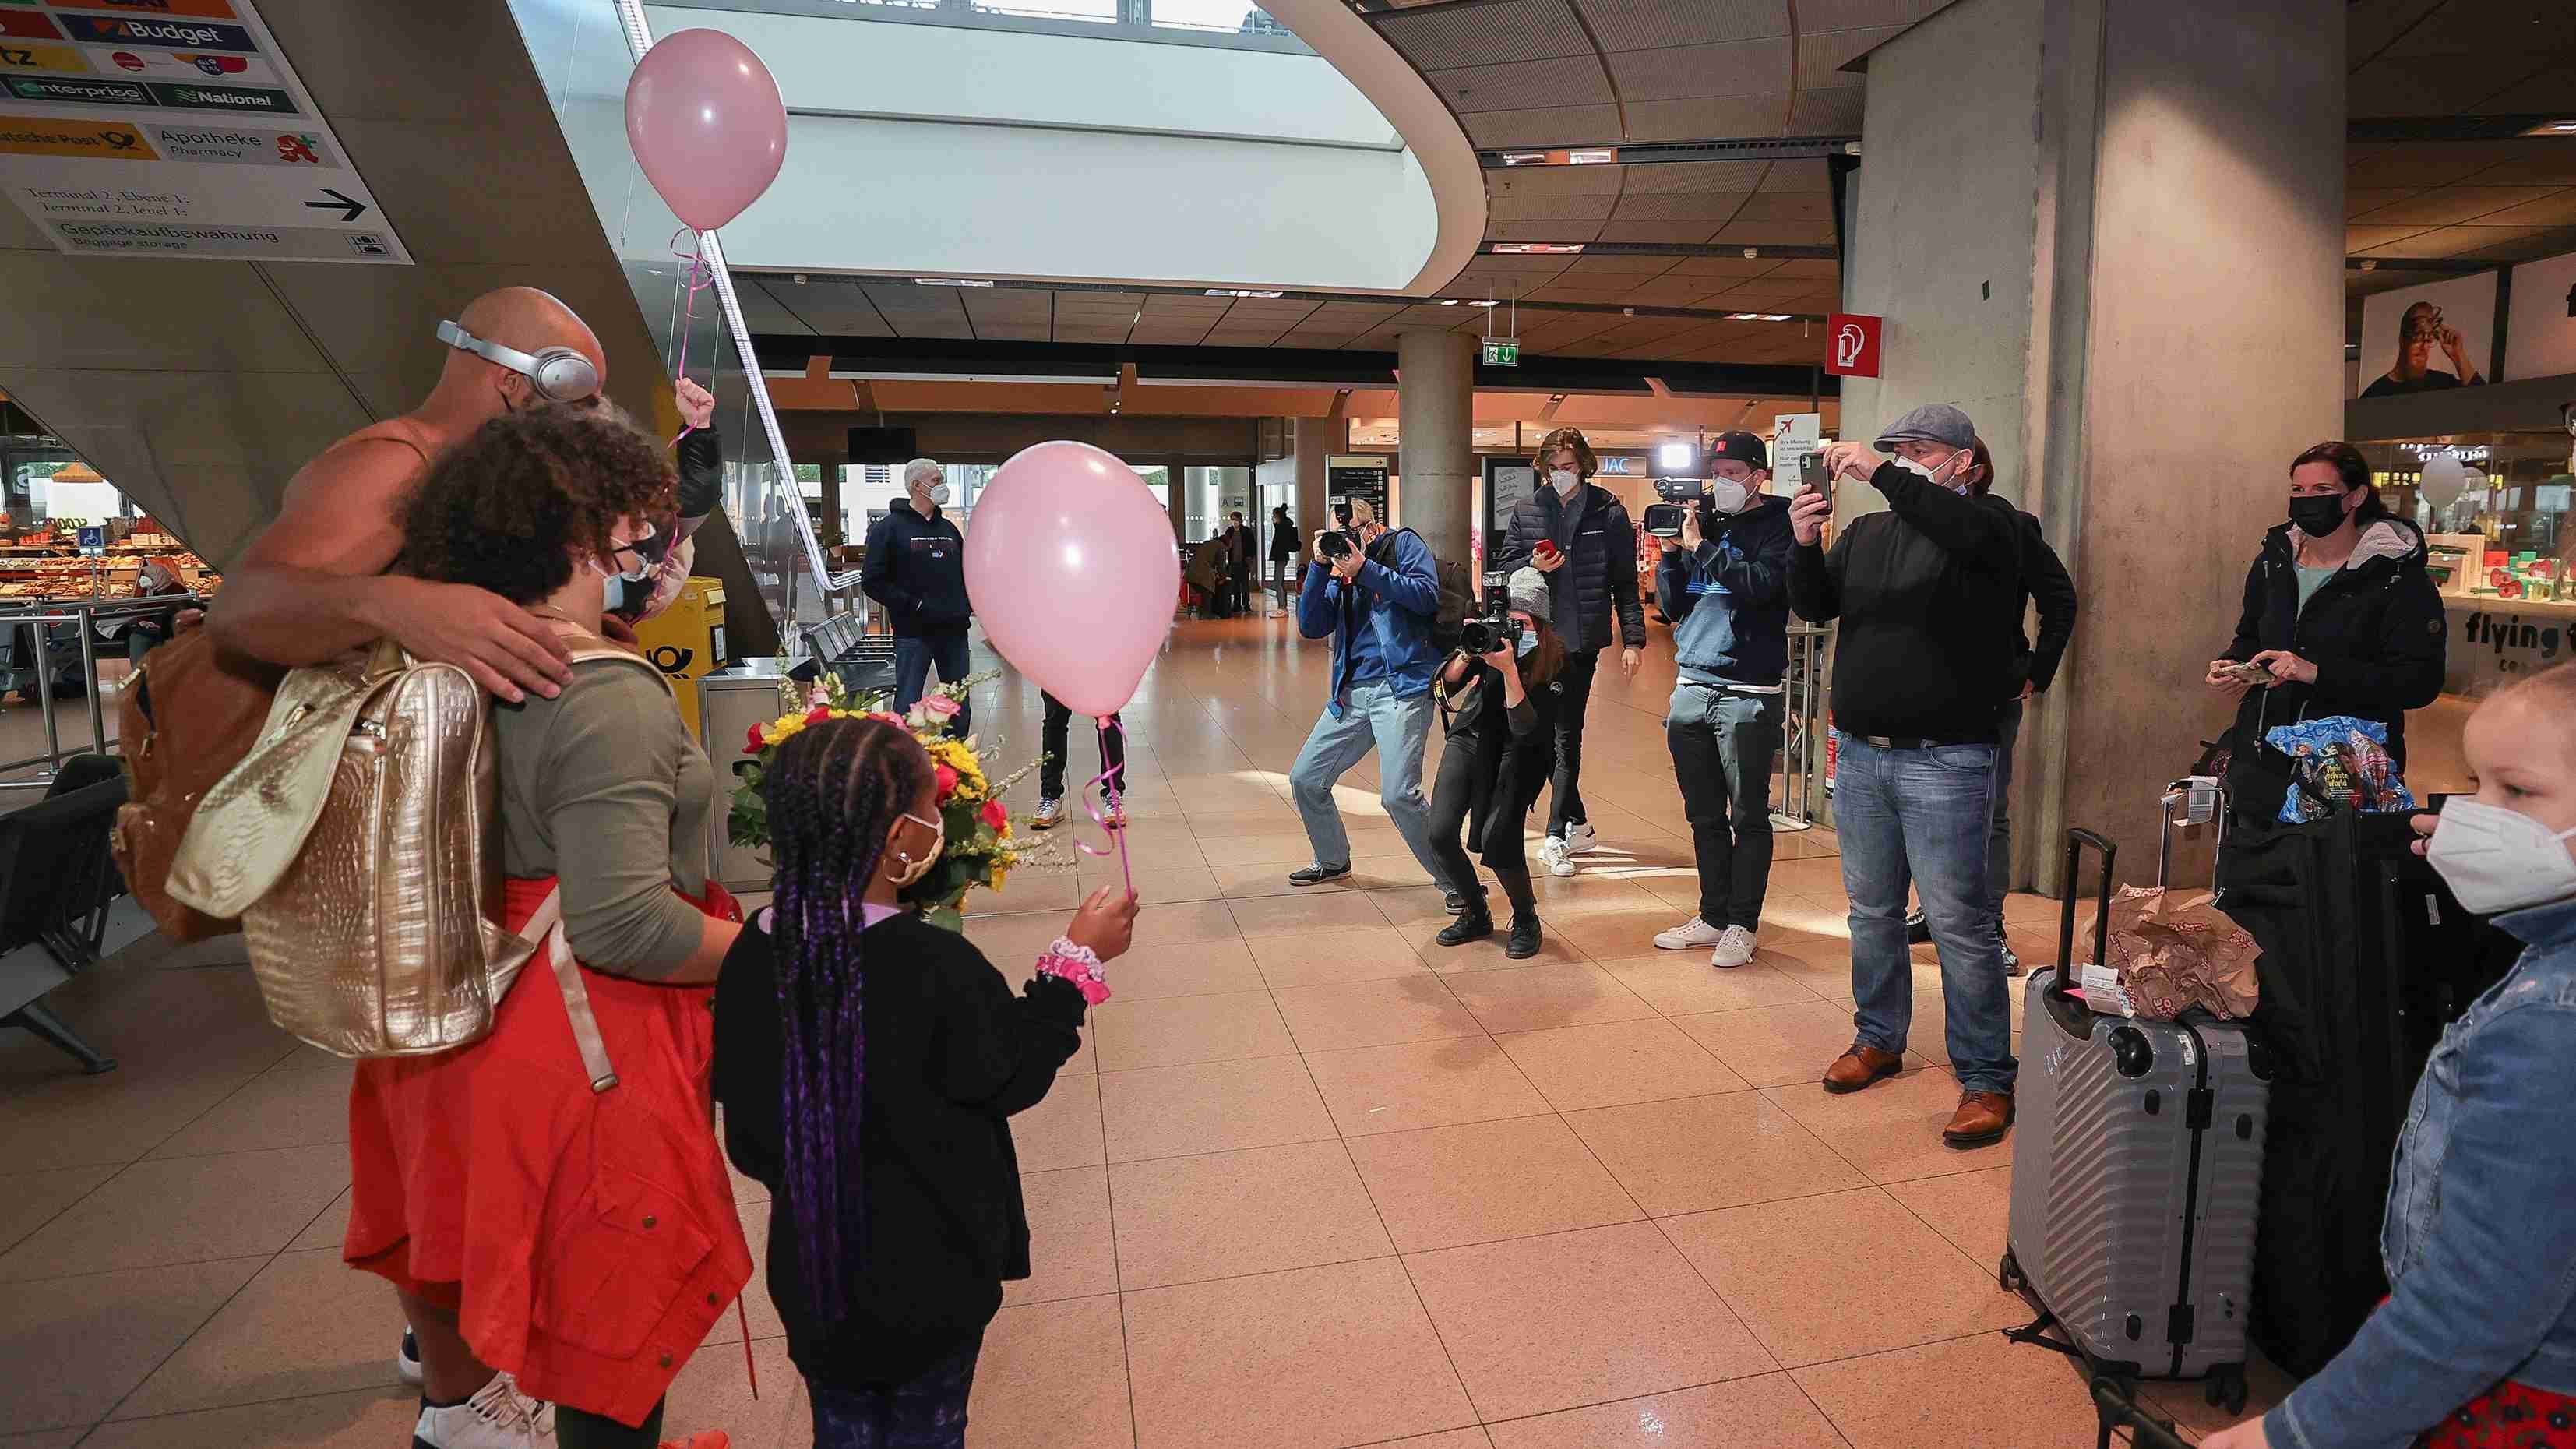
<point x="1682" y="71"/>
<point x="2455" y="241"/>
<point x="1823" y="54"/>
<point x="1743" y="176"/>
<point x="1712" y="206"/>
<point x="1793" y="207"/>
<point x="833" y="308"/>
<point x="1826" y="112"/>
<point x="763" y="313"/>
<point x="1664" y="233"/>
<point x="1574" y="80"/>
<point x="1495" y="34"/>
<point x="1816" y="15"/>
<point x="1571" y="125"/>
<point x="2452" y="204"/>
<point x="1560" y="180"/>
<point x="1787" y="233"/>
<point x="1705" y="116"/>
<point x="1615" y="265"/>
<point x="1809" y="174"/>
<point x="1547" y="231"/>
<point x="1646" y="24"/>
<point x="1580" y="206"/>
<point x="2556" y="209"/>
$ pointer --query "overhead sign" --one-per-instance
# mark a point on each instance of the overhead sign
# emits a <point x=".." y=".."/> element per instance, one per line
<point x="1350" y="483"/>
<point x="1502" y="352"/>
<point x="174" y="128"/>
<point x="1851" y="344"/>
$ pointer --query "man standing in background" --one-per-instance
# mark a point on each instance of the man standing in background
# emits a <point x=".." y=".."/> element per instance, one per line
<point x="916" y="567"/>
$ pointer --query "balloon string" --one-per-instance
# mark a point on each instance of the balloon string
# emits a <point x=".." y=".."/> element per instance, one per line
<point x="1108" y="780"/>
<point x="699" y="280"/>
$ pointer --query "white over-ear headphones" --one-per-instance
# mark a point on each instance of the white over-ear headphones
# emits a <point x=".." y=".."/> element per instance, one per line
<point x="561" y="374"/>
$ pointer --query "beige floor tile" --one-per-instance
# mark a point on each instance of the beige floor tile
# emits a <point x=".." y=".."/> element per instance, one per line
<point x="1807" y="877"/>
<point x="185" y="1210"/>
<point x="1319" y="1356"/>
<point x="1196" y="968"/>
<point x="1289" y="849"/>
<point x="1012" y="942"/>
<point x="1528" y="998"/>
<point x="1546" y="1323"/>
<point x="1334" y="957"/>
<point x="1417" y="1006"/>
<point x="66" y="1438"/>
<point x="1778" y="1046"/>
<point x="1063" y="1130"/>
<point x="1156" y="885"/>
<point x="1413" y="908"/>
<point x="1850" y="1273"/>
<point x="1892" y="1131"/>
<point x="328" y="1228"/>
<point x="1184" y="924"/>
<point x="1807" y="914"/>
<point x="1767" y="1410"/>
<point x="1682" y="983"/>
<point x="1180" y="1030"/>
<point x="1612" y="935"/>
<point x="360" y="1419"/>
<point x="1271" y="883"/>
<point x="306" y="1324"/>
<point x="713" y="1391"/>
<point x="1973" y="1210"/>
<point x="1227" y="1214"/>
<point x="1609" y="1064"/>
<point x="1422" y="1084"/>
<point x="55" y="1117"/>
<point x="1027" y="890"/>
<point x="29" y="1200"/>
<point x="1565" y="897"/>
<point x="1473" y="1438"/>
<point x="1316" y="911"/>
<point x="1053" y="1376"/>
<point x="1445" y="1187"/>
<point x="77" y="1345"/>
<point x="1211" y="1107"/>
<point x="1696" y="1153"/>
<point x="1070" y="1255"/>
<point x="1912" y="1397"/>
<point x="275" y="1109"/>
<point x="1487" y="954"/>
<point x="2265" y="1387"/>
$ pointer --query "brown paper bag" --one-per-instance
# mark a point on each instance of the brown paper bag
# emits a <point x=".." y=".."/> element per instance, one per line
<point x="2173" y="954"/>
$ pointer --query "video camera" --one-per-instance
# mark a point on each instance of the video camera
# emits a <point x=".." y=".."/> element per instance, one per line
<point x="1490" y="630"/>
<point x="1664" y="520"/>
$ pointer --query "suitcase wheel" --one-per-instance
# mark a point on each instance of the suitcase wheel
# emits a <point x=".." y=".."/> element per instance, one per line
<point x="2226" y="1389"/>
<point x="2008" y="1274"/>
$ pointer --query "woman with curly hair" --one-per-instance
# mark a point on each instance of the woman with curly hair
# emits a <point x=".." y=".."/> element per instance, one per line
<point x="562" y="1231"/>
<point x="869" y="1064"/>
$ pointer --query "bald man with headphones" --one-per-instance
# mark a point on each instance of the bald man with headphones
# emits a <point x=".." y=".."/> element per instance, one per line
<point x="315" y="584"/>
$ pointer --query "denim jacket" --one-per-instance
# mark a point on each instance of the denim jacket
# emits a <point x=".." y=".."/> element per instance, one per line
<point x="1396" y="599"/>
<point x="2480" y="1234"/>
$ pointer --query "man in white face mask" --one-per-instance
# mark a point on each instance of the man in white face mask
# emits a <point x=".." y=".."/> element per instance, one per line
<point x="916" y="568"/>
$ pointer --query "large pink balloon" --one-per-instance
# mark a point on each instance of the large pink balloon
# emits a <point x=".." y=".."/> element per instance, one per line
<point x="703" y="115"/>
<point x="1071" y="568"/>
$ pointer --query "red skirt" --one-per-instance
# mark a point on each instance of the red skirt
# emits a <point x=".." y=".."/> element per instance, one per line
<point x="2508" y="1416"/>
<point x="586" y="1240"/>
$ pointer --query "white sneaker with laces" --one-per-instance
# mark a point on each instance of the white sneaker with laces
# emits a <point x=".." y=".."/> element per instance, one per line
<point x="1579" y="839"/>
<point x="1690" y="935"/>
<point x="498" y="1417"/>
<point x="1050" y="814"/>
<point x="1553" y="856"/>
<point x="1734" y="948"/>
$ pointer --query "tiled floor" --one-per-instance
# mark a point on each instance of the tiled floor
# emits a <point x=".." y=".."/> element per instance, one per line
<point x="1313" y="1181"/>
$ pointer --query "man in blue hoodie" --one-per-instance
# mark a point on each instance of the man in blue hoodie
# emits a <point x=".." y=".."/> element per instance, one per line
<point x="1725" y="585"/>
<point x="1376" y="603"/>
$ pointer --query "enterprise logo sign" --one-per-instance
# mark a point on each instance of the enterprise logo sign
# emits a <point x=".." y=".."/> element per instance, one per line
<point x="172" y="34"/>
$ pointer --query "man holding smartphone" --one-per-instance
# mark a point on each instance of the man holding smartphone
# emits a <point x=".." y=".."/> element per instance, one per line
<point x="1725" y="584"/>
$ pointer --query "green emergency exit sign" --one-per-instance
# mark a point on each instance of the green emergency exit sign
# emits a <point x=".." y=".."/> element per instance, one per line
<point x="1502" y="352"/>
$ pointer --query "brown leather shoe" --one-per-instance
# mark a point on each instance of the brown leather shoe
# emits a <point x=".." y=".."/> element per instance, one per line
<point x="1859" y="1067"/>
<point x="1982" y="1118"/>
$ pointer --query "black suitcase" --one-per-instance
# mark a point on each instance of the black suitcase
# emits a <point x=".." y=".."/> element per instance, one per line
<point x="2366" y="957"/>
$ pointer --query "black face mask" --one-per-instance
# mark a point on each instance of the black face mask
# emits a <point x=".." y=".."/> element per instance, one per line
<point x="2317" y="514"/>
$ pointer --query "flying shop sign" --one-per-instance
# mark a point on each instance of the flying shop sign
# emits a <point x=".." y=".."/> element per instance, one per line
<point x="174" y="128"/>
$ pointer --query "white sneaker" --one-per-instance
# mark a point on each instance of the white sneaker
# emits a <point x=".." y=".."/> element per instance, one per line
<point x="1734" y="948"/>
<point x="1690" y="935"/>
<point x="1552" y="854"/>
<point x="407" y="1358"/>
<point x="1050" y="814"/>
<point x="499" y="1417"/>
<point x="1579" y="839"/>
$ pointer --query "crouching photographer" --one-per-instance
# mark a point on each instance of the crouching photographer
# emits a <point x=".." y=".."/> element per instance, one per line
<point x="1724" y="583"/>
<point x="1499" y="693"/>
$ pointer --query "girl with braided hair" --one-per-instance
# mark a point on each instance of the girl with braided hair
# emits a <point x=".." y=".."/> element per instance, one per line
<point x="869" y="1064"/>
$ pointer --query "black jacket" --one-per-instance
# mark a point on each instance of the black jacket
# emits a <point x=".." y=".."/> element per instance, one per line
<point x="701" y="464"/>
<point x="1929" y="594"/>
<point x="2044" y="581"/>
<point x="1730" y="603"/>
<point x="916" y="567"/>
<point x="1283" y="539"/>
<point x="1600" y="572"/>
<point x="951" y="1054"/>
<point x="1512" y="751"/>
<point x="2374" y="631"/>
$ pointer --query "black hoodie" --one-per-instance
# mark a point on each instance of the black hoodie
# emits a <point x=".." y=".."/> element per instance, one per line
<point x="2374" y="631"/>
<point x="916" y="567"/>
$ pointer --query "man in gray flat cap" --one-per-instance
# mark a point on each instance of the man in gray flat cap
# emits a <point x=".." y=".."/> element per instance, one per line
<point x="1929" y="598"/>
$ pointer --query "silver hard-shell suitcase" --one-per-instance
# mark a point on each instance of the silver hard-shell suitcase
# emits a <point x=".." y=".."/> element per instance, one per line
<point x="2137" y="1162"/>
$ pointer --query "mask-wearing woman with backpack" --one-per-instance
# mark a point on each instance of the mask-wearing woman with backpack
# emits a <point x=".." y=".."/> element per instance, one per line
<point x="1500" y="750"/>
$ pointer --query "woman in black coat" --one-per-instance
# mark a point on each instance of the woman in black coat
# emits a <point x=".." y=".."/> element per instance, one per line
<point x="1499" y="752"/>
<point x="2340" y="614"/>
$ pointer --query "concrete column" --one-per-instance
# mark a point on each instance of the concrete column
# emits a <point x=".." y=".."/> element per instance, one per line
<point x="1310" y="442"/>
<point x="1435" y="411"/>
<point x="2112" y="231"/>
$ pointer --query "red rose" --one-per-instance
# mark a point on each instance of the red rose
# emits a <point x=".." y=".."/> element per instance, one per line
<point x="947" y="782"/>
<point x="818" y="714"/>
<point x="994" y="815"/>
<point x="753" y="744"/>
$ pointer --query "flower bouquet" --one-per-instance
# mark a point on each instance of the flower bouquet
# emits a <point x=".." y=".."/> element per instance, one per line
<point x="981" y="846"/>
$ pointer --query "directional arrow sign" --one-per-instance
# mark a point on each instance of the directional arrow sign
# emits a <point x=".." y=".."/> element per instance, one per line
<point x="354" y="209"/>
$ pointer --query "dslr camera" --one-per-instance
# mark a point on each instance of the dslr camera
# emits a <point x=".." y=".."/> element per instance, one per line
<point x="1333" y="544"/>
<point x="1485" y="632"/>
<point x="1664" y="520"/>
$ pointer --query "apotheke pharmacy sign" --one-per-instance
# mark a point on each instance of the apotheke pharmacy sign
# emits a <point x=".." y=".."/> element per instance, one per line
<point x="174" y="128"/>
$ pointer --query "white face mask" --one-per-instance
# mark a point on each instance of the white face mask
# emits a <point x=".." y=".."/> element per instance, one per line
<point x="1934" y="475"/>
<point x="2498" y="860"/>
<point x="937" y="493"/>
<point x="1564" y="481"/>
<point x="913" y="867"/>
<point x="1727" y="495"/>
<point x="1527" y="642"/>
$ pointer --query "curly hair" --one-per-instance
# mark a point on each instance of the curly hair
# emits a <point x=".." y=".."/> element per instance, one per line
<point x="507" y="508"/>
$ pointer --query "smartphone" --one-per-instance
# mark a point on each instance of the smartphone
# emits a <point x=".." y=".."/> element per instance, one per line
<point x="1546" y="548"/>
<point x="1812" y="474"/>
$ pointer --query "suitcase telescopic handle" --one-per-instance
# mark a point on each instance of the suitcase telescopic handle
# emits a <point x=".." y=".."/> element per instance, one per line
<point x="2062" y="990"/>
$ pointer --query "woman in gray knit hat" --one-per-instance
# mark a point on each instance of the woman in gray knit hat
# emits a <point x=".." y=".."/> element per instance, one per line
<point x="1501" y="710"/>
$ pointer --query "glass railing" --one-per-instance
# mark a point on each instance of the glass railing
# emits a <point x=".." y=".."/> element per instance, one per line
<point x="1195" y="22"/>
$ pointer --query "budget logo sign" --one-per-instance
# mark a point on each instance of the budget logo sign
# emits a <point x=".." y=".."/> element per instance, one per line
<point x="168" y="34"/>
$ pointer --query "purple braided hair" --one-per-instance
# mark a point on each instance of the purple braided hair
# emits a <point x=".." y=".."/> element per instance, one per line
<point x="833" y="794"/>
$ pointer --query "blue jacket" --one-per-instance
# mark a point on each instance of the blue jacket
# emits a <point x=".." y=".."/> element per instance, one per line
<point x="2480" y="1233"/>
<point x="1729" y="603"/>
<point x="1397" y="598"/>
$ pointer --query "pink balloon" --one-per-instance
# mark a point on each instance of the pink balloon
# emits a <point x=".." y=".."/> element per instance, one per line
<point x="1071" y="567"/>
<point x="704" y="117"/>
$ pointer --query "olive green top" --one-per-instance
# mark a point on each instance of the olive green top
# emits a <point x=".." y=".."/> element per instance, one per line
<point x="602" y="788"/>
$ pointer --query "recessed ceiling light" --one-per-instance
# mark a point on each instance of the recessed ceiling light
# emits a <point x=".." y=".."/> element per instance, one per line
<point x="1525" y="158"/>
<point x="1757" y="316"/>
<point x="1550" y="249"/>
<point x="1448" y="301"/>
<point x="948" y="282"/>
<point x="2553" y="128"/>
<point x="1489" y="304"/>
<point x="1602" y="156"/>
<point x="1237" y="292"/>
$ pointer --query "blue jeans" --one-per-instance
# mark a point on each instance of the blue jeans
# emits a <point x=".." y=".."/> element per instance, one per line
<point x="1999" y="838"/>
<point x="914" y="657"/>
<point x="1723" y="747"/>
<point x="1923" y="816"/>
<point x="1397" y="729"/>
